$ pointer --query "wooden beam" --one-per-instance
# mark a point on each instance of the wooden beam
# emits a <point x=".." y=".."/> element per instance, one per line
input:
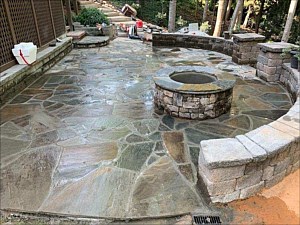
<point x="51" y="15"/>
<point x="36" y="23"/>
<point x="10" y="23"/>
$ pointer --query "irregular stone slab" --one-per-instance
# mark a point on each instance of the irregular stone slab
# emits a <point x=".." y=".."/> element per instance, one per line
<point x="113" y="134"/>
<point x="133" y="138"/>
<point x="174" y="142"/>
<point x="269" y="114"/>
<point x="134" y="156"/>
<point x="104" y="192"/>
<point x="187" y="171"/>
<point x="11" y="130"/>
<point x="45" y="139"/>
<point x="241" y="121"/>
<point x="26" y="182"/>
<point x="221" y="129"/>
<point x="168" y="121"/>
<point x="160" y="190"/>
<point x="194" y="153"/>
<point x="77" y="161"/>
<point x="10" y="112"/>
<point x="20" y="99"/>
<point x="12" y="146"/>
<point x="133" y="110"/>
<point x="224" y="152"/>
<point x="274" y="97"/>
<point x="196" y="136"/>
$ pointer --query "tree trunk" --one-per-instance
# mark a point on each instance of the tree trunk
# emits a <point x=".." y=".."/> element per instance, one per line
<point x="247" y="16"/>
<point x="220" y="16"/>
<point x="235" y="14"/>
<point x="204" y="18"/>
<point x="258" y="18"/>
<point x="239" y="18"/>
<point x="172" y="15"/>
<point x="75" y="7"/>
<point x="289" y="21"/>
<point x="228" y="10"/>
<point x="69" y="15"/>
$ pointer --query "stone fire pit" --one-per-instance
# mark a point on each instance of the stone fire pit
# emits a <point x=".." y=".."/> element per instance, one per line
<point x="193" y="92"/>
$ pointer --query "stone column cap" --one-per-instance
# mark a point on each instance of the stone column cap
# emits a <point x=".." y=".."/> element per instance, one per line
<point x="275" y="46"/>
<point x="249" y="37"/>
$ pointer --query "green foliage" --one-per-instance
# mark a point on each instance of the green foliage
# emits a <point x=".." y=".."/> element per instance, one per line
<point x="274" y="19"/>
<point x="91" y="16"/>
<point x="205" y="27"/>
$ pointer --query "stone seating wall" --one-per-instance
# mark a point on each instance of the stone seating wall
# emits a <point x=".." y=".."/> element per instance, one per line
<point x="236" y="168"/>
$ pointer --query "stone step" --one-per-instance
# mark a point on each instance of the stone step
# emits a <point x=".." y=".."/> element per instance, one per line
<point x="105" y="9"/>
<point x="115" y="19"/>
<point x="128" y="23"/>
<point x="76" y="35"/>
<point x="110" y="14"/>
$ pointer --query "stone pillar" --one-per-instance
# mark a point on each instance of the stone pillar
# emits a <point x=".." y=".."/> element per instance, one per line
<point x="271" y="59"/>
<point x="245" y="50"/>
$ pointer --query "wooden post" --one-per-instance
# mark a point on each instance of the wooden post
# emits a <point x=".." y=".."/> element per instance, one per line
<point x="10" y="23"/>
<point x="69" y="15"/>
<point x="52" y="21"/>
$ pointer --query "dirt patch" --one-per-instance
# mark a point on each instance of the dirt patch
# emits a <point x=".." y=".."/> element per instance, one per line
<point x="277" y="205"/>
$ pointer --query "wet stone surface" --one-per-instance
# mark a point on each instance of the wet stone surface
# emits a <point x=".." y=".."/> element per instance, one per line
<point x="84" y="139"/>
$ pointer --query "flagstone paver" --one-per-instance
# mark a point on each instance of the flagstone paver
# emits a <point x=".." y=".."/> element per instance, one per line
<point x="84" y="138"/>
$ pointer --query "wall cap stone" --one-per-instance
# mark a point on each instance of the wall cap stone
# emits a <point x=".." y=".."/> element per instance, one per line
<point x="226" y="152"/>
<point x="248" y="37"/>
<point x="276" y="47"/>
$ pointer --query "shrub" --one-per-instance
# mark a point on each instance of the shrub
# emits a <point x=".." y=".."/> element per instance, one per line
<point x="91" y="16"/>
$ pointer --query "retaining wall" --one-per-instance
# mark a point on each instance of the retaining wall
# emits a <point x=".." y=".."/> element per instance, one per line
<point x="216" y="44"/>
<point x="16" y="78"/>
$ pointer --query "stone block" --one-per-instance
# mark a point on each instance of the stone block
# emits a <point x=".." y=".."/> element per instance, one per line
<point x="226" y="198"/>
<point x="272" y="140"/>
<point x="249" y="180"/>
<point x="285" y="128"/>
<point x="291" y="119"/>
<point x="275" y="179"/>
<point x="295" y="167"/>
<point x="255" y="150"/>
<point x="219" y="188"/>
<point x="168" y="93"/>
<point x="259" y="66"/>
<point x="185" y="115"/>
<point x="252" y="190"/>
<point x="191" y="105"/>
<point x="268" y="173"/>
<point x="221" y="174"/>
<point x="274" y="62"/>
<point x="168" y="100"/>
<point x="281" y="166"/>
<point x="204" y="101"/>
<point x="263" y="60"/>
<point x="270" y="70"/>
<point x="172" y="108"/>
<point x="253" y="167"/>
<point x="226" y="152"/>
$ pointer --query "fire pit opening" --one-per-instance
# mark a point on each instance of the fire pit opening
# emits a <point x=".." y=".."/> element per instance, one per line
<point x="192" y="78"/>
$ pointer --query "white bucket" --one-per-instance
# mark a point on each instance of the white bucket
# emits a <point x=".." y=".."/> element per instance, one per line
<point x="25" y="53"/>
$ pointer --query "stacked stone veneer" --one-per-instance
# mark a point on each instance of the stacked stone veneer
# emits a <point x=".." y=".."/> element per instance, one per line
<point x="273" y="66"/>
<point x="291" y="79"/>
<point x="193" y="106"/>
<point x="245" y="48"/>
<point x="236" y="168"/>
<point x="217" y="44"/>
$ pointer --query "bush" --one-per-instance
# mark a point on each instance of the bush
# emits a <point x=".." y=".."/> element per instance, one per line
<point x="91" y="16"/>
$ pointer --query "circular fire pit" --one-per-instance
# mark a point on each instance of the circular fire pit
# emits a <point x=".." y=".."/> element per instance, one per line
<point x="193" y="92"/>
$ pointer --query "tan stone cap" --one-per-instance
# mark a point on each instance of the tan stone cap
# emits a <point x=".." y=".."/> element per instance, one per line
<point x="249" y="37"/>
<point x="275" y="46"/>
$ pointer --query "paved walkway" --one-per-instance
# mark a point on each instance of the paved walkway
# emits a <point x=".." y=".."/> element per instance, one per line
<point x="84" y="139"/>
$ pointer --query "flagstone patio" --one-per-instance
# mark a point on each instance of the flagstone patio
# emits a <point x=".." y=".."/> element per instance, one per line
<point x="84" y="139"/>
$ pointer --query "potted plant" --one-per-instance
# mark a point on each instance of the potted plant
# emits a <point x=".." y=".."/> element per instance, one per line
<point x="90" y="19"/>
<point x="295" y="53"/>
